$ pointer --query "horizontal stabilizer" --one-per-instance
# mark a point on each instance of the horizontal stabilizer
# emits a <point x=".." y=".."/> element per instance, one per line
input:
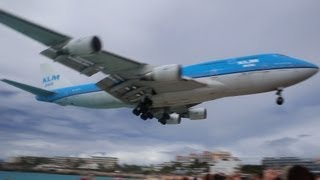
<point x="34" y="90"/>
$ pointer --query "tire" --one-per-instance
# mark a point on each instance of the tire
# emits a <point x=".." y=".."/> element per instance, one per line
<point x="280" y="100"/>
<point x="162" y="121"/>
<point x="136" y="112"/>
<point x="144" y="116"/>
<point x="150" y="115"/>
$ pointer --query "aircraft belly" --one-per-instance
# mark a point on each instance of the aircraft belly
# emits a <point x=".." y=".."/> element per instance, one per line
<point x="99" y="99"/>
<point x="184" y="97"/>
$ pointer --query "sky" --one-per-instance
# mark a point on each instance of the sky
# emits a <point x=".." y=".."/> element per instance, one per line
<point x="164" y="32"/>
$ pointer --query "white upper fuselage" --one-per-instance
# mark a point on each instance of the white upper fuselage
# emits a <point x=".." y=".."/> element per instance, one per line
<point x="230" y="77"/>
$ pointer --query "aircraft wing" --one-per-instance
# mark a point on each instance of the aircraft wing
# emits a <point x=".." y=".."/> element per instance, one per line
<point x="34" y="31"/>
<point x="87" y="64"/>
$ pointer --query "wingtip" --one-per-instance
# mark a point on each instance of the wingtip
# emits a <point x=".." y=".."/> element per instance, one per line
<point x="3" y="12"/>
<point x="4" y="80"/>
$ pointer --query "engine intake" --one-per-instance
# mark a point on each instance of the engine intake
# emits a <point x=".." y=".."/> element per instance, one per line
<point x="197" y="113"/>
<point x="171" y="72"/>
<point x="83" y="46"/>
<point x="174" y="119"/>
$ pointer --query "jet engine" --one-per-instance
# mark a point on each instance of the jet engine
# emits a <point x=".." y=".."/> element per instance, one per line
<point x="171" y="72"/>
<point x="197" y="113"/>
<point x="174" y="119"/>
<point x="83" y="46"/>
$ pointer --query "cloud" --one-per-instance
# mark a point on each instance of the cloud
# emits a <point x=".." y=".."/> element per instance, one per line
<point x="285" y="141"/>
<point x="304" y="135"/>
<point x="5" y="93"/>
<point x="288" y="146"/>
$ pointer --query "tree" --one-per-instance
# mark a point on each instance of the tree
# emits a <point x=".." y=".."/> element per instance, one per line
<point x="131" y="168"/>
<point x="252" y="169"/>
<point x="167" y="169"/>
<point x="198" y="164"/>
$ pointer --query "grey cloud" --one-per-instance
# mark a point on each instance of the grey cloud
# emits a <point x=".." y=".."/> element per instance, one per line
<point x="288" y="146"/>
<point x="5" y="93"/>
<point x="286" y="141"/>
<point x="304" y="135"/>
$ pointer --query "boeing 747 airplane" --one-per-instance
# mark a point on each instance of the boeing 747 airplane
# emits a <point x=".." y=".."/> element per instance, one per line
<point x="167" y="93"/>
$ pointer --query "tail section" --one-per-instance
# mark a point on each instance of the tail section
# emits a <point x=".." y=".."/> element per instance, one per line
<point x="52" y="79"/>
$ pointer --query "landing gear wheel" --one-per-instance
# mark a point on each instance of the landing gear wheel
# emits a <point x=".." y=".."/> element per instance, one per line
<point x="143" y="109"/>
<point x="136" y="112"/>
<point x="163" y="121"/>
<point x="164" y="118"/>
<point x="280" y="100"/>
<point x="144" y="116"/>
<point x="150" y="115"/>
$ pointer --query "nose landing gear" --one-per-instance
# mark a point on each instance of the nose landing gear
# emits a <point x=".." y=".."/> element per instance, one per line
<point x="280" y="99"/>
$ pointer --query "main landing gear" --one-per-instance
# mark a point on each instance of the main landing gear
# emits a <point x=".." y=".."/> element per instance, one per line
<point x="164" y="118"/>
<point x="280" y="99"/>
<point x="143" y="108"/>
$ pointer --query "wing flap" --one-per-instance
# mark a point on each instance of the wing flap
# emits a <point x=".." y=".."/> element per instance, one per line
<point x="34" y="31"/>
<point x="125" y="90"/>
<point x="113" y="63"/>
<point x="33" y="90"/>
<point x="107" y="62"/>
<point x="132" y="91"/>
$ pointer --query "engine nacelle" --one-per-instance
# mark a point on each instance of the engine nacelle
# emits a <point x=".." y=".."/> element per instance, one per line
<point x="83" y="46"/>
<point x="171" y="72"/>
<point x="174" y="119"/>
<point x="197" y="113"/>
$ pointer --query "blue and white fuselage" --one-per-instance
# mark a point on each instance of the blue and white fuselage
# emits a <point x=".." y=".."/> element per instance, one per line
<point x="229" y="77"/>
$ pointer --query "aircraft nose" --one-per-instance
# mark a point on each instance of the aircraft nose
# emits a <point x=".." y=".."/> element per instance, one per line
<point x="305" y="70"/>
<point x="312" y="69"/>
